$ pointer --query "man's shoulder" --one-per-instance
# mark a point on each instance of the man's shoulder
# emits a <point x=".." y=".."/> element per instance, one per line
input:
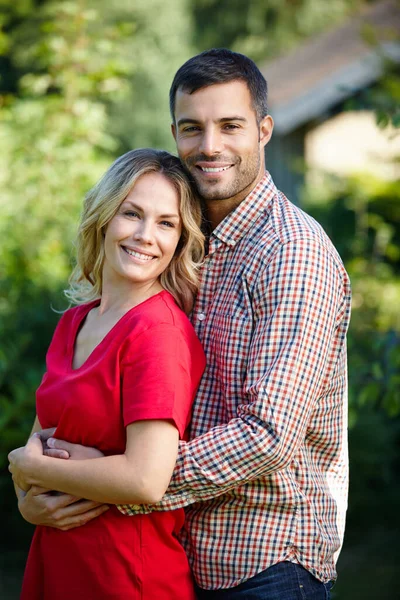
<point x="285" y="223"/>
<point x="291" y="224"/>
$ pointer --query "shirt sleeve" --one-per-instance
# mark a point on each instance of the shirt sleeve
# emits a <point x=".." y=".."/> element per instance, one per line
<point x="156" y="378"/>
<point x="300" y="309"/>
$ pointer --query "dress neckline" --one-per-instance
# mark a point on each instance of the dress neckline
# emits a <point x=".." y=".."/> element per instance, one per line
<point x="80" y="319"/>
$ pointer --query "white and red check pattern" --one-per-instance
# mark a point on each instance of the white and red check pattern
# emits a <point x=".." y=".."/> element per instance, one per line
<point x="265" y="475"/>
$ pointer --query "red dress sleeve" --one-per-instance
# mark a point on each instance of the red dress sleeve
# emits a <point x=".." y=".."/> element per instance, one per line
<point x="158" y="379"/>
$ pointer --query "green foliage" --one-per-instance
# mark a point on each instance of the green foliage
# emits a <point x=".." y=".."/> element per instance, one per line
<point x="383" y="97"/>
<point x="55" y="146"/>
<point x="362" y="216"/>
<point x="264" y="28"/>
<point x="159" y="42"/>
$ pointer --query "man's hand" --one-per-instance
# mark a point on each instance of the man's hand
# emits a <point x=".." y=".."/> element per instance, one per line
<point x="45" y="434"/>
<point x="60" y="449"/>
<point x="40" y="507"/>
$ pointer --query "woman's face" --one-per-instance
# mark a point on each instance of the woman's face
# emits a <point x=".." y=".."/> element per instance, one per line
<point x="141" y="239"/>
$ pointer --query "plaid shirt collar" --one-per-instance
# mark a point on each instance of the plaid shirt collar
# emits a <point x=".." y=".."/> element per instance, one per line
<point x="238" y="222"/>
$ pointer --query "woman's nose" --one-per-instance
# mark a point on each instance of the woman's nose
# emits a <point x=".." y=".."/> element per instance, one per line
<point x="144" y="233"/>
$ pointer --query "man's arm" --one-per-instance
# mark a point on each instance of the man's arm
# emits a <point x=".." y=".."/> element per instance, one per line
<point x="300" y="303"/>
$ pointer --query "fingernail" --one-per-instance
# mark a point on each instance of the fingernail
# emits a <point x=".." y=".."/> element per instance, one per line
<point x="36" y="434"/>
<point x="50" y="442"/>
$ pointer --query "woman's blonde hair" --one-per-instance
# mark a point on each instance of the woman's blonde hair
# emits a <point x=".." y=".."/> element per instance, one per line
<point x="102" y="203"/>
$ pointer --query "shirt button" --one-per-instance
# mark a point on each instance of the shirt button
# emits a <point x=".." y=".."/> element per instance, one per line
<point x="201" y="317"/>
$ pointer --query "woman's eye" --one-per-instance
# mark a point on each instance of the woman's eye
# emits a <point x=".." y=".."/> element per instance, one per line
<point x="167" y="223"/>
<point x="131" y="213"/>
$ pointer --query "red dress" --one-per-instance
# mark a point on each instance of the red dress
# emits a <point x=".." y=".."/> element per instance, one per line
<point x="147" y="367"/>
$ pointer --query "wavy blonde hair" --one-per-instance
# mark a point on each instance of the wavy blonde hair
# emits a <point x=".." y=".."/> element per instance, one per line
<point x="102" y="203"/>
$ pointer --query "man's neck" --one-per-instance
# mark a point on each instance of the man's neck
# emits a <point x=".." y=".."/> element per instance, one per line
<point x="217" y="210"/>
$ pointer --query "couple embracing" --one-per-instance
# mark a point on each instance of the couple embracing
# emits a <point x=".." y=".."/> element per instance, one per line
<point x="193" y="458"/>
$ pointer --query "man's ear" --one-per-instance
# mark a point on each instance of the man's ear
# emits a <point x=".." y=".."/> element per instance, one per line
<point x="173" y="130"/>
<point x="266" y="128"/>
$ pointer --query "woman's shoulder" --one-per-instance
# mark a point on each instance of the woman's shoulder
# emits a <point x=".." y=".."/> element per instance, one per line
<point x="160" y="313"/>
<point x="160" y="309"/>
<point x="161" y="328"/>
<point x="73" y="313"/>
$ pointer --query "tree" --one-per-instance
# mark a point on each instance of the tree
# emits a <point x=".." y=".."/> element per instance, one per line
<point x="264" y="29"/>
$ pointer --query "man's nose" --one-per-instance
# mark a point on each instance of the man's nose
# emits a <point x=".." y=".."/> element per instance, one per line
<point x="211" y="142"/>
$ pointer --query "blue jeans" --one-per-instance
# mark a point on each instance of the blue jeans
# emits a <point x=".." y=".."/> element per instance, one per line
<point x="283" y="581"/>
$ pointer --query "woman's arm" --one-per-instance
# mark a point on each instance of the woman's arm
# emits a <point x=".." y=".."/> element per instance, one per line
<point x="141" y="475"/>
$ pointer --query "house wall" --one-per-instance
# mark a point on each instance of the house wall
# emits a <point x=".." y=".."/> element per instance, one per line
<point x="285" y="160"/>
<point x="351" y="142"/>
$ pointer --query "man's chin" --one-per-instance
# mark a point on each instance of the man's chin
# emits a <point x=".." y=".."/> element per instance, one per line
<point x="213" y="191"/>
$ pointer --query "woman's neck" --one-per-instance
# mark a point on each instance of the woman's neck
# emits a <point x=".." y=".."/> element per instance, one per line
<point x="120" y="300"/>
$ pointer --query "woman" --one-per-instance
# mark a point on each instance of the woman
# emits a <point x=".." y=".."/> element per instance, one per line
<point x="122" y="371"/>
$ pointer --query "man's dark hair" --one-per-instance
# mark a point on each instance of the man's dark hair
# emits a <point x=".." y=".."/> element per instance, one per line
<point x="220" y="65"/>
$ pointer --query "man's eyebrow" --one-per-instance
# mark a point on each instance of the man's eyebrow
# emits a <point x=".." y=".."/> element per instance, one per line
<point x="186" y="121"/>
<point x="235" y="118"/>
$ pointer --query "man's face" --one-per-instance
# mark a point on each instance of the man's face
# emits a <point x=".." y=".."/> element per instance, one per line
<point x="219" y="141"/>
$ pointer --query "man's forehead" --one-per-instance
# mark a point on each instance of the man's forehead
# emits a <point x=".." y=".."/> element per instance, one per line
<point x="232" y="96"/>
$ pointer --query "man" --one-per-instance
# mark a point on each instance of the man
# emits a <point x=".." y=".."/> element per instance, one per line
<point x="264" y="477"/>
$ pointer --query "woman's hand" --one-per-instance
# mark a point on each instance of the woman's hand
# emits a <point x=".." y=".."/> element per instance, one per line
<point x="23" y="461"/>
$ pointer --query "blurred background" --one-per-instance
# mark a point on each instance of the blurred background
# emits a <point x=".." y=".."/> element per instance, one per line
<point x="84" y="81"/>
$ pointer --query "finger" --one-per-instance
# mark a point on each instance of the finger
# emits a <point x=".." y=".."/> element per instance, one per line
<point x="75" y="507"/>
<point x="54" y="453"/>
<point x="46" y="433"/>
<point x="62" y="501"/>
<point x="37" y="490"/>
<point x="79" y="520"/>
<point x="54" y="444"/>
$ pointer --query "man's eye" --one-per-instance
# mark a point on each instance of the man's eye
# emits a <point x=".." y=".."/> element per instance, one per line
<point x="190" y="129"/>
<point x="231" y="126"/>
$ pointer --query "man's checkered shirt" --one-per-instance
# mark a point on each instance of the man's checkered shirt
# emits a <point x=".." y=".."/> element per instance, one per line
<point x="265" y="475"/>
